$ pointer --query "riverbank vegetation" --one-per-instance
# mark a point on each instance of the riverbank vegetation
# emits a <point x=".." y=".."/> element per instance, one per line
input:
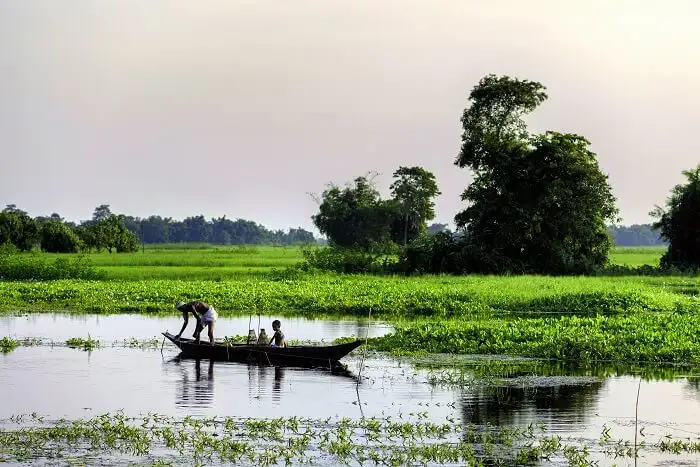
<point x="163" y="440"/>
<point x="344" y="295"/>
<point x="583" y="318"/>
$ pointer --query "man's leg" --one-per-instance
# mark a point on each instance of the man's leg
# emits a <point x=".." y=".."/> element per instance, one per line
<point x="211" y="332"/>
<point x="198" y="330"/>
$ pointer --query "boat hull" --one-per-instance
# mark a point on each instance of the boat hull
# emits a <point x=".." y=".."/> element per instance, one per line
<point x="302" y="356"/>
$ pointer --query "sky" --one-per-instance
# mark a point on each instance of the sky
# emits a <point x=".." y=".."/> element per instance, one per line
<point x="245" y="108"/>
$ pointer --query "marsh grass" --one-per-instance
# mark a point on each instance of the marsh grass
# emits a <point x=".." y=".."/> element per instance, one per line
<point x="497" y="373"/>
<point x="133" y="342"/>
<point x="647" y="318"/>
<point x="200" y="273"/>
<point x="582" y="319"/>
<point x="83" y="343"/>
<point x="295" y="440"/>
<point x="7" y="344"/>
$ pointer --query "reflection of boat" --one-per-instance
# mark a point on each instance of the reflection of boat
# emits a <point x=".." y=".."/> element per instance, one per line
<point x="308" y="356"/>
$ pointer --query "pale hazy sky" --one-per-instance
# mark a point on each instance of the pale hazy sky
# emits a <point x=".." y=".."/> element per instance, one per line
<point x="241" y="108"/>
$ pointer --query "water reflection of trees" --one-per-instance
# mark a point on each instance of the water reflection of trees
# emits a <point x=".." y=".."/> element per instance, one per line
<point x="565" y="405"/>
<point x="692" y="386"/>
<point x="537" y="391"/>
<point x="196" y="390"/>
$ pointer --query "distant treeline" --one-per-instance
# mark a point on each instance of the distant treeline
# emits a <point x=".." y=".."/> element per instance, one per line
<point x="18" y="228"/>
<point x="122" y="233"/>
<point x="633" y="235"/>
<point x="198" y="229"/>
<point x="221" y="231"/>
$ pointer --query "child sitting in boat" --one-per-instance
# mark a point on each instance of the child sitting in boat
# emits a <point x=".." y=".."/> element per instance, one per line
<point x="278" y="336"/>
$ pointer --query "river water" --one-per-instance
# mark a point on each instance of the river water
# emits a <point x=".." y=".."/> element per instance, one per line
<point x="57" y="381"/>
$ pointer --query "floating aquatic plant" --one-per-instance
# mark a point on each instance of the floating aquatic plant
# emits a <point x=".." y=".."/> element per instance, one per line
<point x="118" y="438"/>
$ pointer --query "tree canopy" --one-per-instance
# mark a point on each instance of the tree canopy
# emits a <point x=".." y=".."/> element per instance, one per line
<point x="679" y="223"/>
<point x="356" y="216"/>
<point x="57" y="237"/>
<point x="538" y="203"/>
<point x="414" y="190"/>
<point x="18" y="228"/>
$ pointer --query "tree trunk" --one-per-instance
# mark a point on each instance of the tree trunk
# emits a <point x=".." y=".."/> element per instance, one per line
<point x="405" y="230"/>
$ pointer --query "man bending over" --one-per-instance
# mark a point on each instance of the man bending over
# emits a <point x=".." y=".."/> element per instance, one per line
<point x="204" y="313"/>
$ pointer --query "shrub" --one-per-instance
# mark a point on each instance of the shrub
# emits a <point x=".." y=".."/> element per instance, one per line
<point x="347" y="260"/>
<point x="57" y="237"/>
<point x="22" y="267"/>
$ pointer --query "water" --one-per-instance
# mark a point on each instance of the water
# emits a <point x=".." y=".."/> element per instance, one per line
<point x="64" y="382"/>
<point x="61" y="326"/>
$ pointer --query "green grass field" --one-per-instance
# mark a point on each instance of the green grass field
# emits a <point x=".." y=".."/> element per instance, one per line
<point x="637" y="256"/>
<point x="648" y="318"/>
<point x="193" y="262"/>
<point x="210" y="262"/>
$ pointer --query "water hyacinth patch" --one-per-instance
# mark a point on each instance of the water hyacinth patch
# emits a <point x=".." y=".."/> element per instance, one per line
<point x="650" y="337"/>
<point x="356" y="295"/>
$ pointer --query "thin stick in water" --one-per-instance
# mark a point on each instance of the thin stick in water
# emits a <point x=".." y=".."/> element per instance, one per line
<point x="636" y="420"/>
<point x="364" y="352"/>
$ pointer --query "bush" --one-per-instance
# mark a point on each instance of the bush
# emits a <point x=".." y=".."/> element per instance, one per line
<point x="444" y="253"/>
<point x="22" y="267"/>
<point x="347" y="260"/>
<point x="57" y="237"/>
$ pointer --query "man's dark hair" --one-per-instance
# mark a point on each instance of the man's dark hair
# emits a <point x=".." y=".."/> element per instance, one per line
<point x="277" y="322"/>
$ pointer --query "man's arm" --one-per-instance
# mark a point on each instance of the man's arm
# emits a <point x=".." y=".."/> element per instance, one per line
<point x="184" y="325"/>
<point x="196" y="315"/>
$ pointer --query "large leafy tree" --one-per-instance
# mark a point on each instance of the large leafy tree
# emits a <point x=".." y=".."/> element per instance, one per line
<point x="18" y="228"/>
<point x="354" y="216"/>
<point x="107" y="230"/>
<point x="538" y="203"/>
<point x="679" y="224"/>
<point x="414" y="190"/>
<point x="57" y="237"/>
<point x="117" y="235"/>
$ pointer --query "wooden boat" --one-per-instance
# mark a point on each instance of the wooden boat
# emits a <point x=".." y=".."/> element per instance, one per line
<point x="308" y="356"/>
